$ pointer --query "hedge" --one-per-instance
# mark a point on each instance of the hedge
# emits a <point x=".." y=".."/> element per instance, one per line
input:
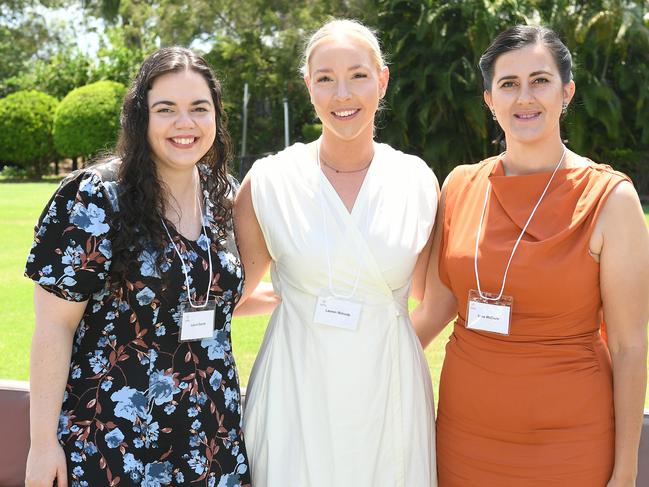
<point x="26" y="119"/>
<point x="87" y="119"/>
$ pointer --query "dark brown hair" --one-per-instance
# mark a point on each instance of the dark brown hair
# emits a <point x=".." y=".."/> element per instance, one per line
<point x="518" y="37"/>
<point x="141" y="193"/>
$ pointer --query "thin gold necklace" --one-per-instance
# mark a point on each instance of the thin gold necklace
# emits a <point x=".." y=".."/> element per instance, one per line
<point x="340" y="171"/>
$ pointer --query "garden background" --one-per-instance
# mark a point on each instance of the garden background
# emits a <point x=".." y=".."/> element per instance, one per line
<point x="64" y="66"/>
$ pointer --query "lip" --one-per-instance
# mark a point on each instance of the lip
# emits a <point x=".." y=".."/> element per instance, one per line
<point x="181" y="137"/>
<point x="527" y="116"/>
<point x="350" y="113"/>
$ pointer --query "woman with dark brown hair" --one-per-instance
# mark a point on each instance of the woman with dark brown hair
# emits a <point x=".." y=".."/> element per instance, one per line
<point x="138" y="275"/>
<point x="534" y="250"/>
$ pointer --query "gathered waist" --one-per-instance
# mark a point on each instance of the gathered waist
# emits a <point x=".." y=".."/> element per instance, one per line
<point x="397" y="301"/>
<point x="583" y="337"/>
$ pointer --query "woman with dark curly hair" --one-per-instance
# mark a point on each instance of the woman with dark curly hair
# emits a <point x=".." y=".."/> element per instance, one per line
<point x="138" y="275"/>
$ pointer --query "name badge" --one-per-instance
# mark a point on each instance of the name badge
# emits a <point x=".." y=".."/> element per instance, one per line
<point x="341" y="313"/>
<point x="486" y="315"/>
<point x="197" y="323"/>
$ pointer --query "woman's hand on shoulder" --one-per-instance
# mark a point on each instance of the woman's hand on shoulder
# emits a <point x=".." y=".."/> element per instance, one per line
<point x="45" y="464"/>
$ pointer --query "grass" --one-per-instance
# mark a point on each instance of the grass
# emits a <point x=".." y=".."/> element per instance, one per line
<point x="20" y="206"/>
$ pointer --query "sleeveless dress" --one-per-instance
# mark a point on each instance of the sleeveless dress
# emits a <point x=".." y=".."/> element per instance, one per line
<point x="327" y="406"/>
<point x="140" y="407"/>
<point x="535" y="407"/>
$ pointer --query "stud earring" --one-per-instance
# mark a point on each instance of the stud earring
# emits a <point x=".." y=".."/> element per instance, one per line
<point x="564" y="108"/>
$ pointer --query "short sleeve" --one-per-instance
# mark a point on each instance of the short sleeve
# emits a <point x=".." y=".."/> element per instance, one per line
<point x="71" y="253"/>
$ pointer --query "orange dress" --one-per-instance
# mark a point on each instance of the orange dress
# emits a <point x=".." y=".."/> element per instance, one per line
<point x="535" y="407"/>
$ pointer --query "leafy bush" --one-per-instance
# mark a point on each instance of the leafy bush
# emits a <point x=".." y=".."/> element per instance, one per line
<point x="311" y="131"/>
<point x="26" y="119"/>
<point x="13" y="172"/>
<point x="435" y="106"/>
<point x="87" y="119"/>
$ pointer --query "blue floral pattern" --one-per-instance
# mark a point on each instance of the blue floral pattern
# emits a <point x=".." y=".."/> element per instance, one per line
<point x="140" y="407"/>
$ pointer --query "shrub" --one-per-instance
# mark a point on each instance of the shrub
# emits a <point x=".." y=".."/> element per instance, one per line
<point x="26" y="130"/>
<point x="87" y="119"/>
<point x="311" y="131"/>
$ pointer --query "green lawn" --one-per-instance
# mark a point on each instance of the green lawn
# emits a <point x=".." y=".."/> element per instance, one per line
<point x="20" y="206"/>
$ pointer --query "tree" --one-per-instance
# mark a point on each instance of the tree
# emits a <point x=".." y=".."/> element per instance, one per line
<point x="434" y="103"/>
<point x="87" y="119"/>
<point x="26" y="119"/>
<point x="24" y="38"/>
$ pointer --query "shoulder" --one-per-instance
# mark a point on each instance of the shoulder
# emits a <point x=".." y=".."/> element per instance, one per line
<point x="97" y="183"/>
<point x="282" y="160"/>
<point x="622" y="199"/>
<point x="467" y="173"/>
<point x="409" y="161"/>
<point x="412" y="166"/>
<point x="606" y="172"/>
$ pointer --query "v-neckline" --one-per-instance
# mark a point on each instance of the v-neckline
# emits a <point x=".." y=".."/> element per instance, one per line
<point x="358" y="200"/>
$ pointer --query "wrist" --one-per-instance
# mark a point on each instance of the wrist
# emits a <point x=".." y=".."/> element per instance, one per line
<point x="40" y="441"/>
<point x="623" y="476"/>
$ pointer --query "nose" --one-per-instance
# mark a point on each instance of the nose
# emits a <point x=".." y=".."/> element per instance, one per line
<point x="342" y="91"/>
<point x="184" y="120"/>
<point x="525" y="94"/>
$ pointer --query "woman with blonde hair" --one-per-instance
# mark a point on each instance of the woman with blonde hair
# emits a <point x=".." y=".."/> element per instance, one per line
<point x="340" y="394"/>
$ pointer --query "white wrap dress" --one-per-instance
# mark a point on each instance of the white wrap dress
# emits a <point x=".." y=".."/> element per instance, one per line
<point x="327" y="406"/>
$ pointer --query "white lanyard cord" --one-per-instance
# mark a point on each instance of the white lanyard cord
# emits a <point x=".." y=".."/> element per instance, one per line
<point x="477" y="237"/>
<point x="182" y="261"/>
<point x="326" y="238"/>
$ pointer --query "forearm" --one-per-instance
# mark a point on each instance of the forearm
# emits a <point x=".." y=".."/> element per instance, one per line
<point x="629" y="385"/>
<point x="261" y="301"/>
<point x="49" y="368"/>
<point x="430" y="318"/>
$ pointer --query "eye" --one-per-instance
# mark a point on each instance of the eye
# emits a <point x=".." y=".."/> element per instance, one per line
<point x="539" y="81"/>
<point x="201" y="109"/>
<point x="359" y="75"/>
<point x="508" y="84"/>
<point x="164" y="110"/>
<point x="323" y="79"/>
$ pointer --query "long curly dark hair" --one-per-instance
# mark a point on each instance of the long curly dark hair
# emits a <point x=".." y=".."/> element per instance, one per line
<point x="142" y="194"/>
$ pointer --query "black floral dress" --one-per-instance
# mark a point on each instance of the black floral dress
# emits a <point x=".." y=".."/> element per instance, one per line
<point x="140" y="407"/>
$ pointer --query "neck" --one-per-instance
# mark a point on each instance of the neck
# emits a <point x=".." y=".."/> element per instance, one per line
<point x="346" y="155"/>
<point x="181" y="189"/>
<point x="526" y="158"/>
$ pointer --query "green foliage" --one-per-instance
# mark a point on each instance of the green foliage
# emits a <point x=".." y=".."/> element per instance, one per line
<point x="87" y="119"/>
<point x="56" y="76"/>
<point x="435" y="98"/>
<point x="258" y="42"/>
<point x="434" y="102"/>
<point x="26" y="119"/>
<point x="13" y="172"/>
<point x="25" y="38"/>
<point x="311" y="131"/>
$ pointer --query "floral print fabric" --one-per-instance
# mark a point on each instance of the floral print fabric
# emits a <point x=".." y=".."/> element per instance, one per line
<point x="140" y="407"/>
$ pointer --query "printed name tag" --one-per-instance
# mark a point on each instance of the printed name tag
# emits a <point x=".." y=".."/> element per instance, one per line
<point x="337" y="312"/>
<point x="485" y="315"/>
<point x="197" y="323"/>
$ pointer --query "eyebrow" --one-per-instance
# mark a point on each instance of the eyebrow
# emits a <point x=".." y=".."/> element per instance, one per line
<point x="172" y="104"/>
<point x="535" y="73"/>
<point x="329" y="70"/>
